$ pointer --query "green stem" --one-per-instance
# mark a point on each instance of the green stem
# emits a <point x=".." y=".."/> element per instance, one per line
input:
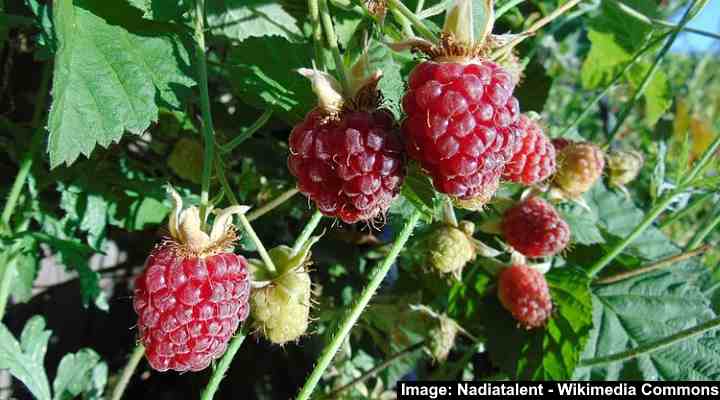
<point x="699" y="166"/>
<point x="317" y="34"/>
<point x="283" y="197"/>
<point x="705" y="230"/>
<point x="588" y="108"/>
<point x="651" y="72"/>
<point x="694" y="205"/>
<point x="654" y="346"/>
<point x="449" y="212"/>
<point x="414" y="20"/>
<point x="644" y="224"/>
<point x="307" y="232"/>
<point x="29" y="156"/>
<point x="207" y="124"/>
<point x="506" y="7"/>
<point x="332" y="43"/>
<point x="128" y="372"/>
<point x="221" y="369"/>
<point x="220" y="171"/>
<point x="247" y="132"/>
<point x="337" y="339"/>
<point x="420" y="6"/>
<point x="654" y="21"/>
<point x="7" y="273"/>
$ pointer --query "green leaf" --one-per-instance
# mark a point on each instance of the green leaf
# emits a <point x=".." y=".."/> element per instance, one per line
<point x="583" y="225"/>
<point x="263" y="74"/>
<point x="604" y="60"/>
<point x="75" y="374"/>
<point x="112" y="68"/>
<point x="549" y="353"/>
<point x="645" y="309"/>
<point x="418" y="190"/>
<point x="162" y="10"/>
<point x="618" y="216"/>
<point x="657" y="95"/>
<point x="242" y="19"/>
<point x="24" y="360"/>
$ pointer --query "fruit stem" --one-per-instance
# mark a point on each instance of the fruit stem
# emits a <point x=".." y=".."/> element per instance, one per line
<point x="221" y="369"/>
<point x="332" y="43"/>
<point x="29" y="156"/>
<point x="506" y="7"/>
<point x="654" y="346"/>
<point x="274" y="203"/>
<point x="317" y="33"/>
<point x="207" y="124"/>
<point x="337" y="339"/>
<point x="653" y="266"/>
<point x="592" y="103"/>
<point x="375" y="370"/>
<point x="307" y="232"/>
<point x="128" y="372"/>
<point x="534" y="28"/>
<point x="449" y="212"/>
<point x="243" y="219"/>
<point x="655" y="66"/>
<point x="246" y="133"/>
<point x="705" y="230"/>
<point x="414" y="20"/>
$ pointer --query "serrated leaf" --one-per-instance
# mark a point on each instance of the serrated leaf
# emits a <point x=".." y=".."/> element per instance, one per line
<point x="242" y="19"/>
<point x="24" y="360"/>
<point x="111" y="70"/>
<point x="418" y="190"/>
<point x="583" y="225"/>
<point x="657" y="95"/>
<point x="552" y="352"/>
<point x="603" y="61"/>
<point x="75" y="374"/>
<point x="645" y="309"/>
<point x="263" y="72"/>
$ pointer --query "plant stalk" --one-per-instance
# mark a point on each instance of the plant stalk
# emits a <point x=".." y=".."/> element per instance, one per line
<point x="337" y="339"/>
<point x="317" y="33"/>
<point x="414" y="20"/>
<point x="274" y="203"/>
<point x="694" y="205"/>
<point x="307" y="232"/>
<point x="654" y="346"/>
<point x="221" y="369"/>
<point x="207" y="124"/>
<point x="127" y="373"/>
<point x="507" y="7"/>
<point x="332" y="43"/>
<point x="705" y="230"/>
<point x="247" y="132"/>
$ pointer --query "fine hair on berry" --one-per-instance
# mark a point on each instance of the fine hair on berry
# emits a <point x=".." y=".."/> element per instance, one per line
<point x="524" y="292"/>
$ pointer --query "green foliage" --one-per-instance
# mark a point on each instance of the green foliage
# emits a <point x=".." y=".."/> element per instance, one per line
<point x="24" y="359"/>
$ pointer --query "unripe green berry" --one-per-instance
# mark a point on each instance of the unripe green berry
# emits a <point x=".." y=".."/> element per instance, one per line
<point x="281" y="310"/>
<point x="624" y="167"/>
<point x="441" y="338"/>
<point x="450" y="248"/>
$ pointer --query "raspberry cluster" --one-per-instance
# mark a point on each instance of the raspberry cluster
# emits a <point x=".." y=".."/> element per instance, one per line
<point x="461" y="124"/>
<point x="351" y="166"/>
<point x="189" y="307"/>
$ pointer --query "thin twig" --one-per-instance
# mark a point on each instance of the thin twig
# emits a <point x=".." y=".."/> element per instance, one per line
<point x="307" y="232"/>
<point x="224" y="364"/>
<point x="127" y="373"/>
<point x="653" y="266"/>
<point x="247" y="132"/>
<point x="274" y="203"/>
<point x="375" y="370"/>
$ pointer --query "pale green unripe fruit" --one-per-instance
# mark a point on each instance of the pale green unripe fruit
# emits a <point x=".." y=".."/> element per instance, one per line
<point x="281" y="310"/>
<point x="450" y="248"/>
<point x="441" y="338"/>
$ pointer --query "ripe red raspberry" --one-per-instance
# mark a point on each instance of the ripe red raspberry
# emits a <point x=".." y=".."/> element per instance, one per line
<point x="534" y="161"/>
<point x="535" y="229"/>
<point x="189" y="307"/>
<point x="524" y="292"/>
<point x="351" y="165"/>
<point x="460" y="124"/>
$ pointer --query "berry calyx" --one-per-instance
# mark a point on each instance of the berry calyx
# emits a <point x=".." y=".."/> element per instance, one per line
<point x="580" y="165"/>
<point x="534" y="228"/>
<point x="193" y="292"/>
<point x="524" y="292"/>
<point x="534" y="160"/>
<point x="450" y="248"/>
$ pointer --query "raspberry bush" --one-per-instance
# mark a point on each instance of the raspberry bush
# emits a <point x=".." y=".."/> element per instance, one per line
<point x="320" y="198"/>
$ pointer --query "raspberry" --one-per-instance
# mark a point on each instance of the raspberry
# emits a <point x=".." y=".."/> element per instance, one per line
<point x="460" y="124"/>
<point x="624" y="167"/>
<point x="534" y="161"/>
<point x="189" y="307"/>
<point x="193" y="292"/>
<point x="524" y="292"/>
<point x="579" y="167"/>
<point x="351" y="166"/>
<point x="535" y="229"/>
<point x="450" y="248"/>
<point x="441" y="338"/>
<point x="281" y="310"/>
